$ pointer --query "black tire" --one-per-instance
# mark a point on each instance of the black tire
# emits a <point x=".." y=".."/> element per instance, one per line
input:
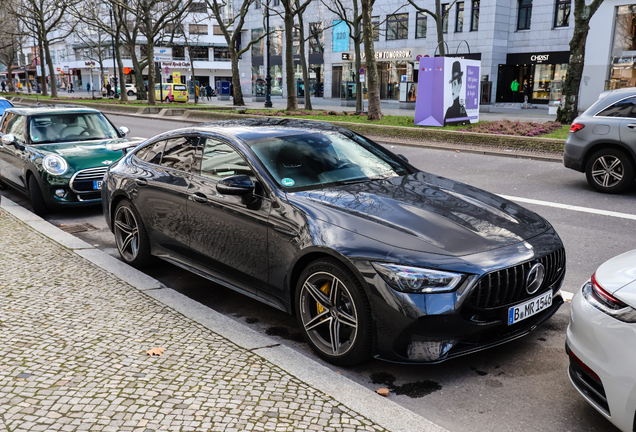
<point x="37" y="199"/>
<point x="130" y="93"/>
<point x="610" y="171"/>
<point x="343" y="312"/>
<point x="130" y="235"/>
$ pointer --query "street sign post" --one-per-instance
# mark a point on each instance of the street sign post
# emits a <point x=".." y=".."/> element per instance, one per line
<point x="361" y="71"/>
<point x="162" y="54"/>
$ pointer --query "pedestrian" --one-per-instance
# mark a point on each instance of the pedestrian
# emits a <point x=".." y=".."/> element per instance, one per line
<point x="71" y="84"/>
<point x="108" y="89"/>
<point x="208" y="91"/>
<point x="232" y="90"/>
<point x="515" y="89"/>
<point x="88" y="86"/>
<point x="4" y="86"/>
<point x="196" y="93"/>
<point x="526" y="91"/>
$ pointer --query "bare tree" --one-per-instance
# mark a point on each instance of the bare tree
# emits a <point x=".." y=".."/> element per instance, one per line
<point x="291" y="9"/>
<point x="374" y="112"/>
<point x="569" y="108"/>
<point x="11" y="40"/>
<point x="231" y="26"/>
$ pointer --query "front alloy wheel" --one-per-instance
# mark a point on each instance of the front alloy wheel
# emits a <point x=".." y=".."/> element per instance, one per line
<point x="333" y="313"/>
<point x="130" y="235"/>
<point x="610" y="170"/>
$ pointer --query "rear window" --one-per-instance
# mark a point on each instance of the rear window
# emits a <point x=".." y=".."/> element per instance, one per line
<point x="180" y="88"/>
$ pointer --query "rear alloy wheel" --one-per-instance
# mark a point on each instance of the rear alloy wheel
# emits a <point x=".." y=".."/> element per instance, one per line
<point x="37" y="199"/>
<point x="130" y="235"/>
<point x="130" y="93"/>
<point x="333" y="313"/>
<point x="610" y="171"/>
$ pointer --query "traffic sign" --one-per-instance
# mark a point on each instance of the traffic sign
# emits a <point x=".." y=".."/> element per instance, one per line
<point x="167" y="70"/>
<point x="361" y="71"/>
<point x="419" y="56"/>
<point x="427" y="55"/>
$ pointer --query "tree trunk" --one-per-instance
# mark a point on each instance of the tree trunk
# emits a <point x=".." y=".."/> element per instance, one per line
<point x="439" y="23"/>
<point x="150" y="47"/>
<point x="120" y="72"/>
<point x="139" y="76"/>
<point x="569" y="107"/>
<point x="237" y="96"/>
<point x="10" y="78"/>
<point x="42" y="69"/>
<point x="358" y="63"/>
<point x="374" y="112"/>
<point x="292" y="100"/>
<point x="303" y="62"/>
<point x="49" y="62"/>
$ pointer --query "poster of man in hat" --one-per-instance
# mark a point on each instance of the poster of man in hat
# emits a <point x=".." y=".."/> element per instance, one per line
<point x="456" y="113"/>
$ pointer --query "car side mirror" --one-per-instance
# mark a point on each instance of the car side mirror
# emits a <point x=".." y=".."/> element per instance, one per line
<point x="235" y="185"/>
<point x="404" y="158"/>
<point x="124" y="131"/>
<point x="8" y="139"/>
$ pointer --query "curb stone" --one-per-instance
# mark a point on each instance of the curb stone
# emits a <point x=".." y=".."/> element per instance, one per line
<point x="381" y="411"/>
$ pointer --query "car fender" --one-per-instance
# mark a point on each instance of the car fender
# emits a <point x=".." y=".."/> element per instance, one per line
<point x="115" y="197"/>
<point x="596" y="145"/>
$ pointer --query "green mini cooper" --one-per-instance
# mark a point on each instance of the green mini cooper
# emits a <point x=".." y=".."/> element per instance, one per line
<point x="58" y="155"/>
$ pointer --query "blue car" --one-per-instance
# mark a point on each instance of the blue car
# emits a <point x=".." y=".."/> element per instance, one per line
<point x="4" y="104"/>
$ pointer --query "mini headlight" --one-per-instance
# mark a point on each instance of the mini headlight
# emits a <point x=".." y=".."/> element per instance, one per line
<point x="416" y="279"/>
<point x="54" y="164"/>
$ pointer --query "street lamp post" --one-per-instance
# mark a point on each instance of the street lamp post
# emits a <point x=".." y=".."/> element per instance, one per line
<point x="114" y="59"/>
<point x="268" y="77"/>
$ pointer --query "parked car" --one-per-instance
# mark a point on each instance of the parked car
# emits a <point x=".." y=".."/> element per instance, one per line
<point x="601" y="340"/>
<point x="374" y="256"/>
<point x="4" y="104"/>
<point x="171" y="92"/>
<point x="602" y="142"/>
<point x="131" y="89"/>
<point x="58" y="155"/>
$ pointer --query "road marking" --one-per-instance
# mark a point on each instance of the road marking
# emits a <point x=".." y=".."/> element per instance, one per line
<point x="571" y="207"/>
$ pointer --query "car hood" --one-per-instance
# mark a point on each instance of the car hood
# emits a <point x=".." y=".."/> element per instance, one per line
<point x="88" y="154"/>
<point x="618" y="275"/>
<point x="423" y="212"/>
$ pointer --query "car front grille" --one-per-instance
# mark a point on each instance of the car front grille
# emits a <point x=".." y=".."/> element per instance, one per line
<point x="508" y="286"/>
<point x="82" y="181"/>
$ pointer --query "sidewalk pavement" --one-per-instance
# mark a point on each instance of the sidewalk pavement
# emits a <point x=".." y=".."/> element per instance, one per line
<point x="388" y="107"/>
<point x="76" y="325"/>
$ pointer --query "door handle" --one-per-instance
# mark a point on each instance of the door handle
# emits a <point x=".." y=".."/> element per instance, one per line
<point x="632" y="125"/>
<point x="199" y="197"/>
<point x="141" y="181"/>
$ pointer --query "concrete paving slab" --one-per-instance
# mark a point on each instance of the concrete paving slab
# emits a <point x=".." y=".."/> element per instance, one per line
<point x="54" y="233"/>
<point x="19" y="212"/>
<point x="134" y="277"/>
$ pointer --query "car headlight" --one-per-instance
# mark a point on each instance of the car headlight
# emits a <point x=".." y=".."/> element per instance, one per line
<point x="417" y="279"/>
<point x="607" y="303"/>
<point x="54" y="164"/>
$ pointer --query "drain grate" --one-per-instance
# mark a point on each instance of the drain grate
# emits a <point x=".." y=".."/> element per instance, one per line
<point x="78" y="228"/>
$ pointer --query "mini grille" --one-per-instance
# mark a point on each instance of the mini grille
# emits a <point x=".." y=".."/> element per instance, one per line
<point x="508" y="286"/>
<point x="90" y="174"/>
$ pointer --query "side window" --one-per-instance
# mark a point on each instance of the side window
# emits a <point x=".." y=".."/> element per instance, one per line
<point x="180" y="153"/>
<point x="16" y="127"/>
<point x="219" y="160"/>
<point x="151" y="153"/>
<point x="8" y="119"/>
<point x="622" y="108"/>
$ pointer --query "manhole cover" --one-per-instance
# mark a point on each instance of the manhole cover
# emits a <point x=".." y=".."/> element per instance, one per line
<point x="78" y="228"/>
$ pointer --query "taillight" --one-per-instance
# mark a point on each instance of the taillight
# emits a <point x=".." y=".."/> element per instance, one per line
<point x="575" y="127"/>
<point x="605" y="297"/>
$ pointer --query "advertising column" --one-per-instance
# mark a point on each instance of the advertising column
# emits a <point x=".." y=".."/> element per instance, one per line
<point x="447" y="92"/>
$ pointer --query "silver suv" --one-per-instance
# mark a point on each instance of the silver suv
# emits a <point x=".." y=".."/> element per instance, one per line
<point x="602" y="142"/>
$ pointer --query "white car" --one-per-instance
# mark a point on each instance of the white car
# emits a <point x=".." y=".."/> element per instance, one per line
<point x="131" y="89"/>
<point x="601" y="340"/>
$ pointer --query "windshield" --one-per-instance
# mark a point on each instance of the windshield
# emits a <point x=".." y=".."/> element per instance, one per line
<point x="53" y="128"/>
<point x="315" y="159"/>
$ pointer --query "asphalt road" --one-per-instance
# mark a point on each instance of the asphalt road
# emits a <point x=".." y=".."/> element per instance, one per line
<point x="520" y="386"/>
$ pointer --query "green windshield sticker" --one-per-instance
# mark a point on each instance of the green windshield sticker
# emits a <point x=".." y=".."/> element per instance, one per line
<point x="287" y="182"/>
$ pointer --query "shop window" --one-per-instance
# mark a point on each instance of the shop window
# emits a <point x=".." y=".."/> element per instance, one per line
<point x="276" y="41"/>
<point x="221" y="54"/>
<point x="197" y="8"/>
<point x="420" y="25"/>
<point x="562" y="13"/>
<point x="525" y="13"/>
<point x="199" y="53"/>
<point x="474" y="16"/>
<point x="623" y="72"/>
<point x="445" y="13"/>
<point x="459" y="18"/>
<point x="624" y="108"/>
<point x="198" y="29"/>
<point x="316" y="37"/>
<point x="257" y="48"/>
<point x="397" y="26"/>
<point x="178" y="52"/>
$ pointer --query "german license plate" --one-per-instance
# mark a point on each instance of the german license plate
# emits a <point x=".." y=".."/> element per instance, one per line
<point x="529" y="308"/>
<point x="97" y="185"/>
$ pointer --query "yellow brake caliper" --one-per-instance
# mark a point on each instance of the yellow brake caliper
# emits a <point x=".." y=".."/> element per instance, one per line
<point x="325" y="288"/>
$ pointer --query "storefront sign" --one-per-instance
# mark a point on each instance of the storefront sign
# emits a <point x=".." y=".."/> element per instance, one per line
<point x="623" y="61"/>
<point x="400" y="54"/>
<point x="176" y="64"/>
<point x="540" y="58"/>
<point x="89" y="63"/>
<point x="340" y="41"/>
<point x="447" y="92"/>
<point x="556" y="57"/>
<point x="346" y="56"/>
<point x="162" y="54"/>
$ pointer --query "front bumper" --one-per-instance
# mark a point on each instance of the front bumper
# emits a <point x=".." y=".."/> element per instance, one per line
<point x="432" y="328"/>
<point x="607" y="346"/>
